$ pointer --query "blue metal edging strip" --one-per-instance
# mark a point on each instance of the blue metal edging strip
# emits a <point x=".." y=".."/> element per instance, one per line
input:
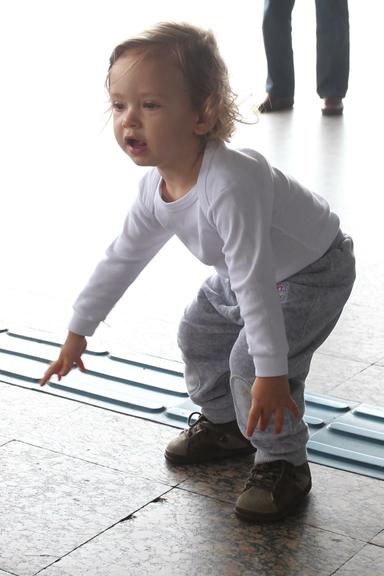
<point x="344" y="435"/>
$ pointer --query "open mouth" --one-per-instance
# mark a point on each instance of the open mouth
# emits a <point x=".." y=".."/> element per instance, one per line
<point x="136" y="145"/>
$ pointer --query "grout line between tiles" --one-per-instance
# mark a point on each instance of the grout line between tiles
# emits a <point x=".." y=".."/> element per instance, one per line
<point x="349" y="378"/>
<point x="381" y="546"/>
<point x="189" y="490"/>
<point x="41" y="391"/>
<point x="331" y="531"/>
<point x="124" y="472"/>
<point x="337" y="533"/>
<point x="349" y="357"/>
<point x="348" y="560"/>
<point x="5" y="443"/>
<point x="10" y="573"/>
<point x="381" y="531"/>
<point x="129" y="517"/>
<point x="363" y="370"/>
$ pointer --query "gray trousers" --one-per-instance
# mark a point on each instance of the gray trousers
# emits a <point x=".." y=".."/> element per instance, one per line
<point x="219" y="372"/>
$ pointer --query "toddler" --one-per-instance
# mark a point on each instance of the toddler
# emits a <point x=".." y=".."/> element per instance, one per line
<point x="283" y="269"/>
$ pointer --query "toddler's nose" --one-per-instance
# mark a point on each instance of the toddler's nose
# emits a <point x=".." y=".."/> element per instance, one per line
<point x="130" y="119"/>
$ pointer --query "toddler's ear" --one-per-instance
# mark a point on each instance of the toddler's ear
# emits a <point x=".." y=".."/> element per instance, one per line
<point x="206" y="119"/>
<point x="201" y="128"/>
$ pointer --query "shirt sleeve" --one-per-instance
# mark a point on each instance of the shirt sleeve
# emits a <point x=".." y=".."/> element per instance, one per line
<point x="141" y="238"/>
<point x="242" y="215"/>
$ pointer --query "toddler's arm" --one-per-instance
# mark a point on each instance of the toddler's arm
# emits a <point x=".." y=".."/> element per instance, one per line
<point x="70" y="354"/>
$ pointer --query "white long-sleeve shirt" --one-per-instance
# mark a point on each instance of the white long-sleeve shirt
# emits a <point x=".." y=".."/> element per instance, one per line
<point x="249" y="221"/>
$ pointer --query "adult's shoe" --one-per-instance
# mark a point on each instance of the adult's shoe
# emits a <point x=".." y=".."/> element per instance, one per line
<point x="275" y="104"/>
<point x="332" y="107"/>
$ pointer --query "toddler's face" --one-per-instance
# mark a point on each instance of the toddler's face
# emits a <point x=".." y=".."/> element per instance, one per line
<point x="154" y="120"/>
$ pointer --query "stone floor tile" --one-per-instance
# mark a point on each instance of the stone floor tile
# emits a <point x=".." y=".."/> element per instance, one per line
<point x="379" y="539"/>
<point x="23" y="410"/>
<point x="369" y="561"/>
<point x="221" y="480"/>
<point x="368" y="287"/>
<point x="188" y="534"/>
<point x="345" y="503"/>
<point x="51" y="503"/>
<point x="327" y="372"/>
<point x="358" y="335"/>
<point x="367" y="387"/>
<point x="4" y="440"/>
<point x="108" y="438"/>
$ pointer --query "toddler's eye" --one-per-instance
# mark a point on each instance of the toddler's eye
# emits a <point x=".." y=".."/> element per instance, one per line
<point x="151" y="105"/>
<point x="117" y="105"/>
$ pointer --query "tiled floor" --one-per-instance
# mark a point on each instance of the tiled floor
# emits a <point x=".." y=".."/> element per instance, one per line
<point x="86" y="491"/>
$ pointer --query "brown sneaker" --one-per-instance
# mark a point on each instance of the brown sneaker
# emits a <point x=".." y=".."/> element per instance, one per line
<point x="273" y="491"/>
<point x="204" y="441"/>
<point x="275" y="104"/>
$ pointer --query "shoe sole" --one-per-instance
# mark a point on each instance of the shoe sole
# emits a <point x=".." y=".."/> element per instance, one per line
<point x="268" y="110"/>
<point x="177" y="459"/>
<point x="332" y="112"/>
<point x="255" y="518"/>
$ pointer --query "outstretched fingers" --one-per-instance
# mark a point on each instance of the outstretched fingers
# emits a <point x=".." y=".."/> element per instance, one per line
<point x="254" y="417"/>
<point x="54" y="368"/>
<point x="60" y="368"/>
<point x="80" y="365"/>
<point x="293" y="407"/>
<point x="259" y="418"/>
<point x="279" y="415"/>
<point x="279" y="419"/>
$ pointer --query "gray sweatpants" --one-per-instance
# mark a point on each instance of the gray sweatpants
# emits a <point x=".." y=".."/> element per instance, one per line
<point x="219" y="371"/>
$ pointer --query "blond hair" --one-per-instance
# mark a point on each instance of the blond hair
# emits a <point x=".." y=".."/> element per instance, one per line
<point x="204" y="70"/>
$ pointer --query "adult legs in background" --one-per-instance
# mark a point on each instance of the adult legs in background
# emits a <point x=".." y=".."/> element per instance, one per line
<point x="332" y="68"/>
<point x="332" y="48"/>
<point x="277" y="33"/>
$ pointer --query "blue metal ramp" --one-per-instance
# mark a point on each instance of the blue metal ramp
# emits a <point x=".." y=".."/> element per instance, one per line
<point x="344" y="435"/>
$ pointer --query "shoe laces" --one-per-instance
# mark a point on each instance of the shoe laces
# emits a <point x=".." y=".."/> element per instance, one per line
<point x="265" y="475"/>
<point x="198" y="425"/>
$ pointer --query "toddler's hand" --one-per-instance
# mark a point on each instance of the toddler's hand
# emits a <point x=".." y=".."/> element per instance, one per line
<point x="70" y="355"/>
<point x="270" y="397"/>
